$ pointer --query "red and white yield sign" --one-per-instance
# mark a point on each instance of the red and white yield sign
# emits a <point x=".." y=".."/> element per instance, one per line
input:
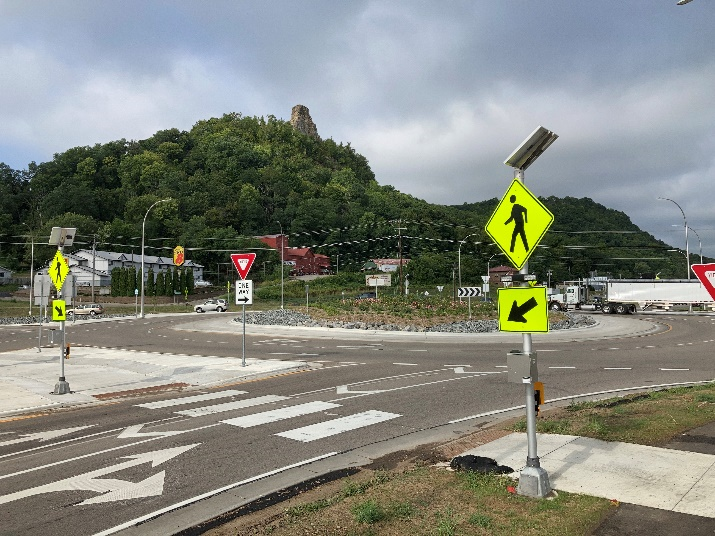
<point x="243" y="262"/>
<point x="706" y="274"/>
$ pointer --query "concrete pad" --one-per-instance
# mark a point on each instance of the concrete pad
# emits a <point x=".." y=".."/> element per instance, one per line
<point x="647" y="476"/>
<point x="29" y="376"/>
<point x="700" y="500"/>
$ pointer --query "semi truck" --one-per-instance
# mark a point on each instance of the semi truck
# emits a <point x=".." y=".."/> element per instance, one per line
<point x="626" y="296"/>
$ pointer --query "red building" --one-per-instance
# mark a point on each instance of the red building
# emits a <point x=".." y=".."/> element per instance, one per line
<point x="301" y="260"/>
<point x="496" y="273"/>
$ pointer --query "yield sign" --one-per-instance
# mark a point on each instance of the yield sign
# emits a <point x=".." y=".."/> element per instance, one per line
<point x="706" y="274"/>
<point x="519" y="223"/>
<point x="243" y="262"/>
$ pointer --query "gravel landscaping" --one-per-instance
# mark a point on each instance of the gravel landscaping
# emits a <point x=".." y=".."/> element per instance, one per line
<point x="285" y="317"/>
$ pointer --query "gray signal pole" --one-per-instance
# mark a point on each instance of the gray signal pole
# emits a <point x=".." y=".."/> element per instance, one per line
<point x="60" y="237"/>
<point x="533" y="479"/>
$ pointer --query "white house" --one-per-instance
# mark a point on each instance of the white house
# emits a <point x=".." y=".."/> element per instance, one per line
<point x="84" y="263"/>
<point x="5" y="275"/>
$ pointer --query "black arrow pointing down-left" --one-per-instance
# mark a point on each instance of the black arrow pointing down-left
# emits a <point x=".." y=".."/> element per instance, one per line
<point x="518" y="311"/>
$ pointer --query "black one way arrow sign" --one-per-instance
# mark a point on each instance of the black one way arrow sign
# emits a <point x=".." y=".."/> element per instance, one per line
<point x="468" y="292"/>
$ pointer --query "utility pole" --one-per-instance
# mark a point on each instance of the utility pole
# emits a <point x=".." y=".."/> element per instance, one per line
<point x="399" y="234"/>
<point x="94" y="254"/>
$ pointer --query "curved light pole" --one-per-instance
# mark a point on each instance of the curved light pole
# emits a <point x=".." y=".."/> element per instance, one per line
<point x="685" y="224"/>
<point x="282" y="247"/>
<point x="488" y="274"/>
<point x="459" y="259"/>
<point x="699" y="242"/>
<point x="141" y="311"/>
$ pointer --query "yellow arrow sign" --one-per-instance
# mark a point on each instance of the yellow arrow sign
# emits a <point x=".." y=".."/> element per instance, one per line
<point x="58" y="270"/>
<point x="519" y="223"/>
<point x="59" y="310"/>
<point x="523" y="309"/>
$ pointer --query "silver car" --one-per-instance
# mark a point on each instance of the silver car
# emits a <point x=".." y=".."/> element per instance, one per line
<point x="212" y="305"/>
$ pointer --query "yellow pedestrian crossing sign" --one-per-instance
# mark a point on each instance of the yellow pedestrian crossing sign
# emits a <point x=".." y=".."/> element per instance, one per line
<point x="58" y="270"/>
<point x="519" y="223"/>
<point x="523" y="309"/>
<point x="59" y="310"/>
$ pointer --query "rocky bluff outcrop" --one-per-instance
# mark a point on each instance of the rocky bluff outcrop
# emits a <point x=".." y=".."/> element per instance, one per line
<point x="301" y="121"/>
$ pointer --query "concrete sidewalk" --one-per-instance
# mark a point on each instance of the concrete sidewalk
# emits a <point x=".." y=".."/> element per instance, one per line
<point x="28" y="376"/>
<point x="662" y="478"/>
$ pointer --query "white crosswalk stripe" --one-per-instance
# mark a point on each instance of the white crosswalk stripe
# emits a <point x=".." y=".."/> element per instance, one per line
<point x="256" y="419"/>
<point x="333" y="427"/>
<point x="230" y="406"/>
<point x="190" y="399"/>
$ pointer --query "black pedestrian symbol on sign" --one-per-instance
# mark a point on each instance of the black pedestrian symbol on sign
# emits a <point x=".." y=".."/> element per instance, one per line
<point x="518" y="216"/>
<point x="58" y="277"/>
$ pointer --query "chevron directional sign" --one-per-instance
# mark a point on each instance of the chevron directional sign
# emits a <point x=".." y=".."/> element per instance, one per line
<point x="468" y="292"/>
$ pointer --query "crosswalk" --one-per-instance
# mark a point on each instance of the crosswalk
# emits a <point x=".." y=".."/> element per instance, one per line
<point x="304" y="434"/>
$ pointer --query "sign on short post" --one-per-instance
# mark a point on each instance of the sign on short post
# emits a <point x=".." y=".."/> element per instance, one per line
<point x="244" y="288"/>
<point x="244" y="292"/>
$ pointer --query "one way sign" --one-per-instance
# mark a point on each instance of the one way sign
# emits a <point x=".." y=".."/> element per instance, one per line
<point x="244" y="292"/>
<point x="468" y="292"/>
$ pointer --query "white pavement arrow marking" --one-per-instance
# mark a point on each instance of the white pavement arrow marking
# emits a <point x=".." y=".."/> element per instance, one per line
<point x="111" y="489"/>
<point x="343" y="390"/>
<point x="42" y="436"/>
<point x="460" y="370"/>
<point x="134" y="431"/>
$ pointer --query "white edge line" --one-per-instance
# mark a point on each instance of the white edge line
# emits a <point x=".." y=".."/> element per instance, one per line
<point x="571" y="397"/>
<point x="208" y="494"/>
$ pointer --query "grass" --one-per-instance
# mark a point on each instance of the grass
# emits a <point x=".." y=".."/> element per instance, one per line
<point x="419" y="311"/>
<point x="421" y="499"/>
<point x="646" y="419"/>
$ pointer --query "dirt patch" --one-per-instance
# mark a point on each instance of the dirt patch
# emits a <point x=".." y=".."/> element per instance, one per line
<point x="143" y="391"/>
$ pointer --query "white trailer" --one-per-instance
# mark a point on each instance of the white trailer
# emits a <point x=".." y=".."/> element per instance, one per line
<point x="624" y="296"/>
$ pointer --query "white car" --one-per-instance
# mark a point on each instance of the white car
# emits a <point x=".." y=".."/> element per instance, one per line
<point x="201" y="283"/>
<point x="212" y="305"/>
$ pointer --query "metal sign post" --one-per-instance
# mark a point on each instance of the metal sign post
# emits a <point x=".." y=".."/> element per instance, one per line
<point x="60" y="237"/>
<point x="244" y="289"/>
<point x="517" y="226"/>
<point x="533" y="479"/>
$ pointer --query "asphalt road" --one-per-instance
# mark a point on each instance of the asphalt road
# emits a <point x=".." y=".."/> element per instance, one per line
<point x="131" y="459"/>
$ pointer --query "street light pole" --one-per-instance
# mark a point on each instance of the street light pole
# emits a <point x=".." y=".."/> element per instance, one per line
<point x="699" y="242"/>
<point x="685" y="224"/>
<point x="141" y="311"/>
<point x="459" y="259"/>
<point x="282" y="247"/>
<point x="489" y="279"/>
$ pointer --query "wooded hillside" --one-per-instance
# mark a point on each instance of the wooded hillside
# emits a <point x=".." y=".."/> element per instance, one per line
<point x="234" y="177"/>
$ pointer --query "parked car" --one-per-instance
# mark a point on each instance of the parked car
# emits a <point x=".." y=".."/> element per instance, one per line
<point x="212" y="305"/>
<point x="91" y="309"/>
<point x="366" y="295"/>
<point x="201" y="283"/>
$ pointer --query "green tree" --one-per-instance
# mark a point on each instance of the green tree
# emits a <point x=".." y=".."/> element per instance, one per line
<point x="115" y="288"/>
<point x="150" y="286"/>
<point x="160" y="284"/>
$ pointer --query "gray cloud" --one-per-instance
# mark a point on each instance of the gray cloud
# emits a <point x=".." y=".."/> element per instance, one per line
<point x="434" y="94"/>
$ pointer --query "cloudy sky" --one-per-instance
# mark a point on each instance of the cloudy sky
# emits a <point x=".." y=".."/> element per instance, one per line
<point x="435" y="94"/>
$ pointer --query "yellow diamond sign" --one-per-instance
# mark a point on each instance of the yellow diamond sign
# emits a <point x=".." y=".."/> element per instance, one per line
<point x="58" y="270"/>
<point x="519" y="223"/>
<point x="523" y="309"/>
